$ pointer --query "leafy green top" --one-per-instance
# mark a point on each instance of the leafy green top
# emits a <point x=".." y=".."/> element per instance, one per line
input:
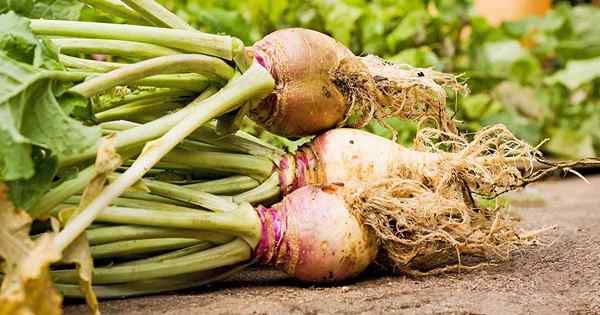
<point x="36" y="128"/>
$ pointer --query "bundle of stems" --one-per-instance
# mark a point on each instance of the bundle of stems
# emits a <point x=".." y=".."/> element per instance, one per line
<point x="184" y="207"/>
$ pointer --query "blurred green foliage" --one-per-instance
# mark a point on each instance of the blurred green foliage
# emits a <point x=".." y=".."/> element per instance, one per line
<point x="539" y="75"/>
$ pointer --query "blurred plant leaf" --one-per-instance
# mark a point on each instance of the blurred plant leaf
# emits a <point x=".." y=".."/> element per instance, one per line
<point x="422" y="57"/>
<point x="569" y="143"/>
<point x="410" y="26"/>
<point x="576" y="73"/>
<point x="340" y="18"/>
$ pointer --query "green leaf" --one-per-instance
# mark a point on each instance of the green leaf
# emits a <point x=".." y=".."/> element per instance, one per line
<point x="275" y="8"/>
<point x="584" y="23"/>
<point x="405" y="129"/>
<point x="508" y="59"/>
<point x="504" y="53"/>
<point x="410" y="25"/>
<point x="422" y="57"/>
<point x="48" y="126"/>
<point x="31" y="115"/>
<point x="340" y="18"/>
<point x="576" y="73"/>
<point x="522" y="127"/>
<point x="570" y="143"/>
<point x="521" y="99"/>
<point x="579" y="40"/>
<point x="217" y="20"/>
<point x="18" y="42"/>
<point x="475" y="106"/>
<point x="44" y="9"/>
<point x="26" y="192"/>
<point x="76" y="106"/>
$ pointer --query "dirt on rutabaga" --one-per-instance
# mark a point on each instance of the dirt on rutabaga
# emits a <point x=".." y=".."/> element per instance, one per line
<point x="560" y="276"/>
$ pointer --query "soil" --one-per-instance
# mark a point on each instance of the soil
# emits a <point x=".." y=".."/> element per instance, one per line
<point x="560" y="275"/>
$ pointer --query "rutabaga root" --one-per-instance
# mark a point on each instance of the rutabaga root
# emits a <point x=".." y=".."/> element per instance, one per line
<point x="492" y="163"/>
<point x="424" y="215"/>
<point x="320" y="84"/>
<point x="421" y="230"/>
<point x="413" y="93"/>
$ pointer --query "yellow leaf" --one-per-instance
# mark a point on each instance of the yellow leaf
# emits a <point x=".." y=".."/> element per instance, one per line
<point x="27" y="286"/>
<point x="107" y="161"/>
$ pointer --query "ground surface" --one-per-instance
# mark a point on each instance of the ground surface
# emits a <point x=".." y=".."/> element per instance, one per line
<point x="562" y="278"/>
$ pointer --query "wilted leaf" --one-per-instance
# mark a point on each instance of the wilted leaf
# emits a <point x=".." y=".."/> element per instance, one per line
<point x="78" y="252"/>
<point x="27" y="286"/>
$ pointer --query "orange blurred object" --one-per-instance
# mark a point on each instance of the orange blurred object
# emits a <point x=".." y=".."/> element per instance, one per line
<point x="497" y="11"/>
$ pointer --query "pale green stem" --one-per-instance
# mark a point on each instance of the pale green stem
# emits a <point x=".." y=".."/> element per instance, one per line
<point x="62" y="192"/>
<point x="111" y="127"/>
<point x="190" y="41"/>
<point x="234" y="252"/>
<point x="157" y="14"/>
<point x="242" y="164"/>
<point x="68" y="188"/>
<point x="191" y="145"/>
<point x="269" y="190"/>
<point x="145" y="246"/>
<point x="110" y="234"/>
<point x="240" y="141"/>
<point x="167" y="256"/>
<point x="145" y="132"/>
<point x="153" y="286"/>
<point x="137" y="203"/>
<point x="241" y="222"/>
<point x="185" y="81"/>
<point x="167" y="167"/>
<point x="133" y="110"/>
<point x="153" y="198"/>
<point x="72" y="76"/>
<point x="202" y="199"/>
<point x="121" y="48"/>
<point x="225" y="186"/>
<point x="119" y="125"/>
<point x="212" y="67"/>
<point x="254" y="83"/>
<point x="142" y="96"/>
<point x="116" y="8"/>
<point x="89" y="65"/>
